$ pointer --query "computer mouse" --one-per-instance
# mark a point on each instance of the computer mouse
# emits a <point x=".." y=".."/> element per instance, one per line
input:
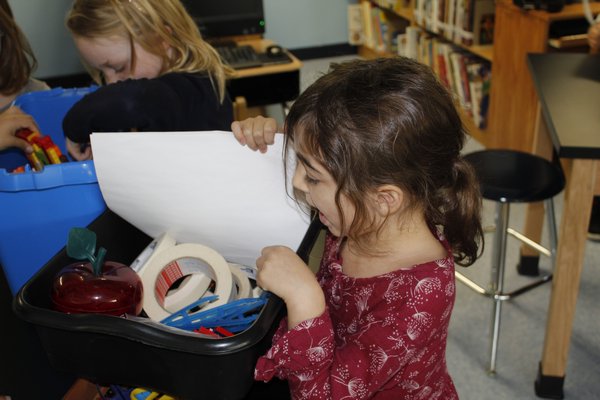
<point x="274" y="51"/>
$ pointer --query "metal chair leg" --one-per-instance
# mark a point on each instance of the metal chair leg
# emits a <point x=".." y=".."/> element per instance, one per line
<point x="495" y="289"/>
<point x="497" y="281"/>
<point x="552" y="233"/>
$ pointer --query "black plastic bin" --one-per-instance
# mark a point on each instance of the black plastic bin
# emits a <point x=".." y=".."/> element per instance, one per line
<point x="114" y="350"/>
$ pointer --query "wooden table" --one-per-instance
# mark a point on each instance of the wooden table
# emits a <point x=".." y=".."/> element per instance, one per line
<point x="568" y="88"/>
<point x="253" y="88"/>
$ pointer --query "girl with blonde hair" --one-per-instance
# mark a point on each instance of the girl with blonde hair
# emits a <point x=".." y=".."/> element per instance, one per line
<point x="159" y="72"/>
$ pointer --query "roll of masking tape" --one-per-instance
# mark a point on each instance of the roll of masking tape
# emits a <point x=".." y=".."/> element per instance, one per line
<point x="188" y="291"/>
<point x="173" y="263"/>
<point x="156" y="246"/>
<point x="241" y="283"/>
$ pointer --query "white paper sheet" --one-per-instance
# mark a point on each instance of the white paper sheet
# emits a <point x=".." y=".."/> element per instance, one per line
<point x="200" y="187"/>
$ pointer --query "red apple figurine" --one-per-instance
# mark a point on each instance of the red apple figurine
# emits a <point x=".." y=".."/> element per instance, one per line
<point x="96" y="286"/>
<point x="117" y="290"/>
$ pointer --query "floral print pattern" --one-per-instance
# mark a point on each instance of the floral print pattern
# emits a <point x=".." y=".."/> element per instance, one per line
<point x="382" y="337"/>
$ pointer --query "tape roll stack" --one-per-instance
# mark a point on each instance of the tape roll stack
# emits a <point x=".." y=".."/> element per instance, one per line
<point x="199" y="270"/>
<point x="241" y="283"/>
<point x="187" y="291"/>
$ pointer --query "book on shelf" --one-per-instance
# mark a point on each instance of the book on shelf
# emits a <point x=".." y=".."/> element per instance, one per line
<point x="466" y="76"/>
<point x="461" y="82"/>
<point x="480" y="82"/>
<point x="465" y="22"/>
<point x="450" y="12"/>
<point x="446" y="49"/>
<point x="356" y="34"/>
<point x="483" y="22"/>
<point x="460" y="19"/>
<point x="367" y="24"/>
<point x="381" y="28"/>
<point x="441" y="69"/>
<point x="477" y="22"/>
<point x="408" y="42"/>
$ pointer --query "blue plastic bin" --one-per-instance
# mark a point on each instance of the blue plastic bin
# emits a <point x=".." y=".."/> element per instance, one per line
<point x="48" y="108"/>
<point x="37" y="209"/>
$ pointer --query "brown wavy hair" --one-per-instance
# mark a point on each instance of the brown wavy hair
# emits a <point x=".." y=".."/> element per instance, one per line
<point x="390" y="121"/>
<point x="17" y="61"/>
<point x="151" y="23"/>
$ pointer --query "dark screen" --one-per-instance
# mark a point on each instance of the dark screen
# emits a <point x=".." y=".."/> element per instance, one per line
<point x="219" y="18"/>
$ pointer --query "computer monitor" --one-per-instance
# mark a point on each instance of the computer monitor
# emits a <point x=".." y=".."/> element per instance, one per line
<point x="221" y="18"/>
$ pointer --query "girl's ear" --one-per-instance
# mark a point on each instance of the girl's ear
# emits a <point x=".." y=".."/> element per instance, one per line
<point x="389" y="199"/>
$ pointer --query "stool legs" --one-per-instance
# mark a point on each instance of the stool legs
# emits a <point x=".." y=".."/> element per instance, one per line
<point x="495" y="289"/>
<point x="497" y="278"/>
<point x="551" y="220"/>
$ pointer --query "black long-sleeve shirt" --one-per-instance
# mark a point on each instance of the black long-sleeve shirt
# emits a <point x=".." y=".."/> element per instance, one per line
<point x="171" y="102"/>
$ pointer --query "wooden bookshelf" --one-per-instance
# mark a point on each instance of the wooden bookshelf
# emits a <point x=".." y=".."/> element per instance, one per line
<point x="517" y="32"/>
<point x="485" y="51"/>
<point x="400" y="14"/>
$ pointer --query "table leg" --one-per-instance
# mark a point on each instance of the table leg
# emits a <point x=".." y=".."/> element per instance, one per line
<point x="532" y="228"/>
<point x="567" y="271"/>
<point x="534" y="218"/>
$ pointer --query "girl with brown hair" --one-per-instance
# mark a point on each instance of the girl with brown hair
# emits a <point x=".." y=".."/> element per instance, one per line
<point x="17" y="63"/>
<point x="378" y="147"/>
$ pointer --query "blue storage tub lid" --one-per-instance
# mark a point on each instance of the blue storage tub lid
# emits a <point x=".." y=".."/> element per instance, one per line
<point x="53" y="94"/>
<point x="53" y="176"/>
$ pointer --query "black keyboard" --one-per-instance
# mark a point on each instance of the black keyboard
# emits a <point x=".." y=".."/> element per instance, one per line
<point x="239" y="57"/>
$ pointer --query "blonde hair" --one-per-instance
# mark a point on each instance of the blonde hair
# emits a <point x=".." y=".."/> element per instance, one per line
<point x="151" y="24"/>
<point x="17" y="61"/>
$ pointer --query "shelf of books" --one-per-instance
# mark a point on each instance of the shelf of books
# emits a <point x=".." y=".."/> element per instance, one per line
<point x="453" y="37"/>
<point x="375" y="26"/>
<point x="468" y="77"/>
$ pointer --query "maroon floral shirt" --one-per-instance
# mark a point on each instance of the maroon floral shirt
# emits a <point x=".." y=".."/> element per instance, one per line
<point x="382" y="337"/>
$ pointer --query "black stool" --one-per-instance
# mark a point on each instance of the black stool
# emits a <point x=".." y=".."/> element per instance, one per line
<point x="508" y="176"/>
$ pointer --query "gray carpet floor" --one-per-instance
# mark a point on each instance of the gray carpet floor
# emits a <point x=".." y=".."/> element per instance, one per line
<point x="523" y="318"/>
<point x="522" y="325"/>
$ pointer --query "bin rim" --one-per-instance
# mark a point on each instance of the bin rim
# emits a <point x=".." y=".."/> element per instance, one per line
<point x="52" y="176"/>
<point x="54" y="92"/>
<point x="149" y="332"/>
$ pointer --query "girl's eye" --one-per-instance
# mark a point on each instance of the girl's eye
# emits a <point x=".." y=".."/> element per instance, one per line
<point x="310" y="181"/>
<point x="119" y="69"/>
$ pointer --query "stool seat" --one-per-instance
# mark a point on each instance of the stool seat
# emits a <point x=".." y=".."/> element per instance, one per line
<point x="513" y="176"/>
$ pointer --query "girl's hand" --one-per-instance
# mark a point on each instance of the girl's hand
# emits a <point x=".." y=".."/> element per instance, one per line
<point x="78" y="151"/>
<point x="256" y="133"/>
<point x="282" y="272"/>
<point x="11" y="121"/>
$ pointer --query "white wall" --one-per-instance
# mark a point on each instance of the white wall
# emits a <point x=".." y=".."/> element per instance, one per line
<point x="306" y="23"/>
<point x="43" y="24"/>
<point x="292" y="23"/>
